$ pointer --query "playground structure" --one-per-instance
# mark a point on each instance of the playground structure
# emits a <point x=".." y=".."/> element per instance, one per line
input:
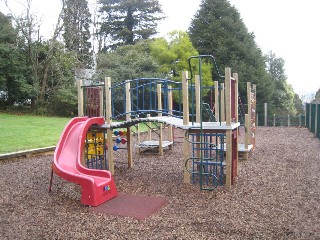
<point x="210" y="143"/>
<point x="210" y="147"/>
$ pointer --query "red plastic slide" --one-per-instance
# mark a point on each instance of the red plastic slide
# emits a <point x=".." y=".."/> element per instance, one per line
<point x="97" y="185"/>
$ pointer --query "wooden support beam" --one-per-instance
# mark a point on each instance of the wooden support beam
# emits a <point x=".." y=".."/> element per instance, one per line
<point x="236" y="96"/>
<point x="160" y="115"/>
<point x="228" y="158"/>
<point x="247" y="135"/>
<point x="128" y="118"/>
<point x="128" y="101"/>
<point x="228" y="95"/>
<point x="129" y="147"/>
<point x="170" y="106"/>
<point x="186" y="146"/>
<point x="216" y="101"/>
<point x="101" y="100"/>
<point x="108" y="122"/>
<point x="222" y="103"/>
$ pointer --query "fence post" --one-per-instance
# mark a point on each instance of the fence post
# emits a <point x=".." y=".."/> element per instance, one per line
<point x="316" y="121"/>
<point x="300" y="116"/>
<point x="305" y="115"/>
<point x="310" y="115"/>
<point x="274" y="120"/>
<point x="265" y="114"/>
<point x="288" y="120"/>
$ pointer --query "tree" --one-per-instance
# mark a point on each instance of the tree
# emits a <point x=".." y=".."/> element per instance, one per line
<point x="14" y="70"/>
<point x="127" y="21"/>
<point x="284" y="98"/>
<point x="217" y="29"/>
<point x="317" y="97"/>
<point x="173" y="54"/>
<point x="38" y="70"/>
<point x="127" y="62"/>
<point x="76" y="24"/>
<point x="275" y="67"/>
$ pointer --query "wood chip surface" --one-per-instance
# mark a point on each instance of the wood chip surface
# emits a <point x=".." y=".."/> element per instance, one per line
<point x="276" y="196"/>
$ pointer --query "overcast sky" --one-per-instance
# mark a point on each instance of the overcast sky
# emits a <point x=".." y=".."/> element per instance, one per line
<point x="289" y="28"/>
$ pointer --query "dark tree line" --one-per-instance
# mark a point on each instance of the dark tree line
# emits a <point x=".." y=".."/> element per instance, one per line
<point x="42" y="71"/>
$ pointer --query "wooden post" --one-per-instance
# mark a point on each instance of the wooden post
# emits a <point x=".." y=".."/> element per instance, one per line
<point x="216" y="101"/>
<point x="247" y="135"/>
<point x="159" y="100"/>
<point x="265" y="114"/>
<point x="249" y="98"/>
<point x="228" y="96"/>
<point x="101" y="100"/>
<point x="128" y="101"/>
<point x="236" y="103"/>
<point x="160" y="115"/>
<point x="254" y="116"/>
<point x="170" y="104"/>
<point x="128" y="118"/>
<point x="149" y="128"/>
<point x="236" y="96"/>
<point x="228" y="132"/>
<point x="274" y="120"/>
<point x="80" y="98"/>
<point x="186" y="147"/>
<point x="138" y="134"/>
<point x="288" y="120"/>
<point x="109" y="122"/>
<point x="185" y="97"/>
<point x="222" y="104"/>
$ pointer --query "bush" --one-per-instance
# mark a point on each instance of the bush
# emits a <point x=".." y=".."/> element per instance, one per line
<point x="64" y="103"/>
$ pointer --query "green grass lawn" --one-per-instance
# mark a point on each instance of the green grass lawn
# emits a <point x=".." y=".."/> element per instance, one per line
<point x="22" y="132"/>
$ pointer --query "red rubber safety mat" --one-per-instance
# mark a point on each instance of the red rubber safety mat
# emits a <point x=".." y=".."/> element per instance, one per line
<point x="135" y="206"/>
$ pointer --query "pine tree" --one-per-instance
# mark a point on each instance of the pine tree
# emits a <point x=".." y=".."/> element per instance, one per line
<point x="217" y="29"/>
<point x="126" y="21"/>
<point x="76" y="22"/>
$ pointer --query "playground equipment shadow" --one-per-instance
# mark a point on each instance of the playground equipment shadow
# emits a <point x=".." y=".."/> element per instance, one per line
<point x="276" y="196"/>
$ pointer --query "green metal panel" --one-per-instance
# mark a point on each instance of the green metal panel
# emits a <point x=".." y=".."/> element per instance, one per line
<point x="307" y="115"/>
<point x="318" y="119"/>
<point x="313" y="118"/>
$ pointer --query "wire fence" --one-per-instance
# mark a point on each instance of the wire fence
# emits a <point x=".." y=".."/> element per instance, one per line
<point x="280" y="121"/>
<point x="310" y="120"/>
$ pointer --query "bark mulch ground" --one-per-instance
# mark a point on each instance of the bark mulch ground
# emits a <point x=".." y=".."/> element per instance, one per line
<point x="276" y="196"/>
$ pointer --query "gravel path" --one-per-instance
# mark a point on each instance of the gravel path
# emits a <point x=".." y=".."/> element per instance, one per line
<point x="277" y="196"/>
